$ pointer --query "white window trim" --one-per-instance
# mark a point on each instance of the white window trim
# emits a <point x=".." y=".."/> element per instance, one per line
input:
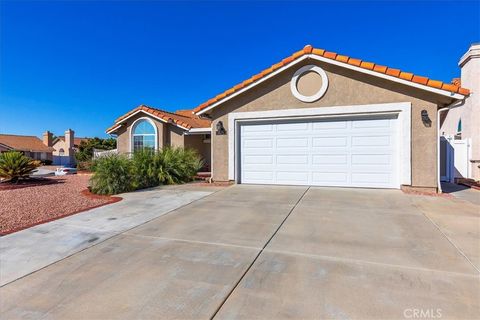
<point x="130" y="134"/>
<point x="403" y="109"/>
<point x="302" y="71"/>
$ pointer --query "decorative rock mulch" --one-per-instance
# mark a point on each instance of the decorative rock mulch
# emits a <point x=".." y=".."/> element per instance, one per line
<point x="62" y="196"/>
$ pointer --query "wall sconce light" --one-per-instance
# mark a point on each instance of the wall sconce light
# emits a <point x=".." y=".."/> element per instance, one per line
<point x="427" y="122"/>
<point x="220" y="129"/>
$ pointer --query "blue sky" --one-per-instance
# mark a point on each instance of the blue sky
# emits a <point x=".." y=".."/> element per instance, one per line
<point x="82" y="64"/>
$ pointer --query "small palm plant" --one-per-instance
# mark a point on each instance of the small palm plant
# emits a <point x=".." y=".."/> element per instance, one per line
<point x="113" y="174"/>
<point x="14" y="166"/>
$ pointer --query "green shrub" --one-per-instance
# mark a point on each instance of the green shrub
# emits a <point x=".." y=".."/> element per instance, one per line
<point x="112" y="175"/>
<point x="146" y="168"/>
<point x="15" y="165"/>
<point x="177" y="165"/>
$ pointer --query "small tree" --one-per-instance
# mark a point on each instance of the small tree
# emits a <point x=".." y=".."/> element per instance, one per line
<point x="15" y="165"/>
<point x="85" y="150"/>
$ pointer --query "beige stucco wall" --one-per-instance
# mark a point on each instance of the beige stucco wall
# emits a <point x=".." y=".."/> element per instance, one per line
<point x="196" y="142"/>
<point x="123" y="134"/>
<point x="60" y="144"/>
<point x="345" y="88"/>
<point x="176" y="136"/>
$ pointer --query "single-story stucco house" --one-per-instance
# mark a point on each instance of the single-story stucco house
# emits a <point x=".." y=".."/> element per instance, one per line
<point x="146" y="126"/>
<point x="324" y="119"/>
<point x="64" y="146"/>
<point x="30" y="146"/>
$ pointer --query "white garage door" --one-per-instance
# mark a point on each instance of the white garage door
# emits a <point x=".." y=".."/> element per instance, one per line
<point x="345" y="152"/>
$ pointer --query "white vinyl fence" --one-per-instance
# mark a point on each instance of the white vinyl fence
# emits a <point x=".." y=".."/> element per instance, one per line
<point x="98" y="153"/>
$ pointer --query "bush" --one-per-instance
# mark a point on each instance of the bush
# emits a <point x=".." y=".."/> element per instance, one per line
<point x="15" y="165"/>
<point x="177" y="165"/>
<point x="146" y="168"/>
<point x="46" y="162"/>
<point x="112" y="175"/>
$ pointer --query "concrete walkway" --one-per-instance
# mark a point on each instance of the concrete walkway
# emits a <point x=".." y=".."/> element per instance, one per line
<point x="26" y="251"/>
<point x="272" y="252"/>
<point x="462" y="192"/>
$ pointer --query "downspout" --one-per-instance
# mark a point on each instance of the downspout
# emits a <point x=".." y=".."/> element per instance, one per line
<point x="453" y="105"/>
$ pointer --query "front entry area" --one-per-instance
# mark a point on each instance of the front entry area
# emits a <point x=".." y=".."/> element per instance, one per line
<point x="361" y="151"/>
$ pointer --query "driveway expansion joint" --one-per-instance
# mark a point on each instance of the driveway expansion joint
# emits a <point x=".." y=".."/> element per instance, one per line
<point x="448" y="239"/>
<point x="365" y="262"/>
<point x="191" y="241"/>
<point x="258" y="254"/>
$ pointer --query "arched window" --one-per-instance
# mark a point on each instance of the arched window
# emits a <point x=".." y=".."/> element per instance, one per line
<point x="61" y="152"/>
<point x="459" y="126"/>
<point x="144" y="135"/>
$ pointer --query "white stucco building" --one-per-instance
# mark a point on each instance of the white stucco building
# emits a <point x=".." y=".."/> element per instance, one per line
<point x="461" y="125"/>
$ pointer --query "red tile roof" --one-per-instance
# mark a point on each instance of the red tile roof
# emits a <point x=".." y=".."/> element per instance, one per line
<point x="24" y="143"/>
<point x="455" y="88"/>
<point x="182" y="118"/>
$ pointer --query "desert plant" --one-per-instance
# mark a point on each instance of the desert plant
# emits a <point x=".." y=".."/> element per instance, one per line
<point x="14" y="165"/>
<point x="112" y="174"/>
<point x="177" y="165"/>
<point x="145" y="169"/>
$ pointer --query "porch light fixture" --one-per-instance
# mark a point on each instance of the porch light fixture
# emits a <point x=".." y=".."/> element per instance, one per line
<point x="220" y="129"/>
<point x="426" y="119"/>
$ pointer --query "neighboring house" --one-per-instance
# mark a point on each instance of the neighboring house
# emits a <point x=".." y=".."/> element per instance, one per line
<point x="461" y="125"/>
<point x="323" y="119"/>
<point x="31" y="146"/>
<point x="64" y="146"/>
<point x="149" y="127"/>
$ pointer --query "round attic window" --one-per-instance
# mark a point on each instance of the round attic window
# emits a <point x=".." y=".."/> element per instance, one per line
<point x="309" y="83"/>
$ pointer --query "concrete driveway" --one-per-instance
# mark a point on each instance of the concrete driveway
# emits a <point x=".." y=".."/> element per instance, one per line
<point x="272" y="252"/>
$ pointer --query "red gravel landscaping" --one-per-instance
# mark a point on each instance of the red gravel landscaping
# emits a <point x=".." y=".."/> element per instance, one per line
<point x="25" y="207"/>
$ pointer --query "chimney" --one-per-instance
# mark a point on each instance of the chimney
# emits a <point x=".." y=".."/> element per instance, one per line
<point x="69" y="136"/>
<point x="470" y="68"/>
<point x="48" y="138"/>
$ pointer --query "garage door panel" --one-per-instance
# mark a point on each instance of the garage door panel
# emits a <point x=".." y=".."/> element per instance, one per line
<point x="287" y="177"/>
<point x="258" y="159"/>
<point x="374" y="123"/>
<point x="367" y="141"/>
<point x="371" y="159"/>
<point x="371" y="177"/>
<point x="329" y="177"/>
<point x="355" y="153"/>
<point x="334" y="159"/>
<point x="257" y="143"/>
<point x="330" y="125"/>
<point x="299" y="126"/>
<point x="336" y="142"/>
<point x="251" y="130"/>
<point x="258" y="176"/>
<point x="292" y="159"/>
